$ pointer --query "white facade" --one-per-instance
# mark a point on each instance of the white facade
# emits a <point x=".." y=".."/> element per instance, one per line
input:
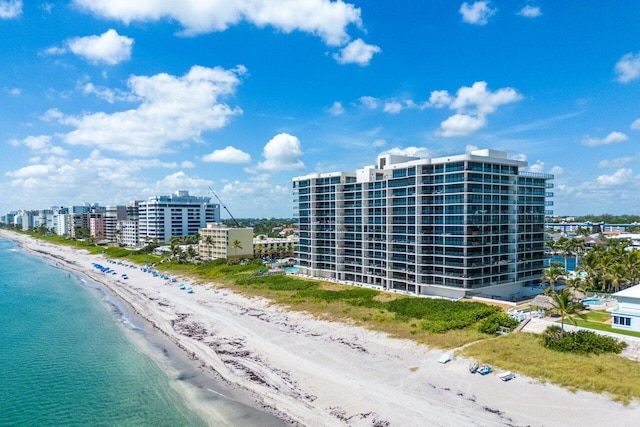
<point x="128" y="233"/>
<point x="178" y="215"/>
<point x="626" y="315"/>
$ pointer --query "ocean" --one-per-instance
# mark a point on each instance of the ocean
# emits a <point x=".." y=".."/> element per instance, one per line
<point x="67" y="358"/>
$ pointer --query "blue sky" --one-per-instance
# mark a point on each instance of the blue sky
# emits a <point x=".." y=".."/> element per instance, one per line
<point x="114" y="100"/>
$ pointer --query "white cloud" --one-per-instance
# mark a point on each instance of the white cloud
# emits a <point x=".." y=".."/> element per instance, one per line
<point x="469" y="148"/>
<point x="56" y="179"/>
<point x="171" y="109"/>
<point x="52" y="114"/>
<point x="41" y="145"/>
<point x="628" y="67"/>
<point x="472" y="104"/>
<point x="327" y="19"/>
<point x="14" y="91"/>
<point x="621" y="176"/>
<point x="557" y="170"/>
<point x="109" y="48"/>
<point x="357" y="52"/>
<point x="636" y="124"/>
<point x="107" y="94"/>
<point x="617" y="163"/>
<point x="369" y="102"/>
<point x="32" y="171"/>
<point x="103" y="93"/>
<point x="282" y="153"/>
<point x="392" y="107"/>
<point x="612" y="138"/>
<point x="179" y="181"/>
<point x="477" y="13"/>
<point x="248" y="197"/>
<point x="421" y="152"/>
<point x="54" y="50"/>
<point x="461" y="125"/>
<point x="477" y="99"/>
<point x="227" y="155"/>
<point x="439" y="99"/>
<point x="530" y="11"/>
<point x="336" y="109"/>
<point x="10" y="9"/>
<point x="537" y="167"/>
<point x="379" y="143"/>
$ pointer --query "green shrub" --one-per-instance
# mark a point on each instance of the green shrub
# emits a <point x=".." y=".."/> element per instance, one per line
<point x="584" y="342"/>
<point x="357" y="297"/>
<point x="439" y="315"/>
<point x="492" y="324"/>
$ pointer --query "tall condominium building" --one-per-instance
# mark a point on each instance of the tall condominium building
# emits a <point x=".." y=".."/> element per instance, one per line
<point x="112" y="215"/>
<point x="163" y="217"/>
<point x="456" y="226"/>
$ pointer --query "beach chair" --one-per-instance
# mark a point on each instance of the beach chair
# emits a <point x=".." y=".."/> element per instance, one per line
<point x="445" y="358"/>
<point x="484" y="370"/>
<point x="506" y="376"/>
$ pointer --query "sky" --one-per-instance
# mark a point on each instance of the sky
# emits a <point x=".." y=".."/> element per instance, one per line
<point x="108" y="101"/>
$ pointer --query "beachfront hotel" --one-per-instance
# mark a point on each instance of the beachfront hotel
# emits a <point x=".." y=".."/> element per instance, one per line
<point x="455" y="226"/>
<point x="177" y="215"/>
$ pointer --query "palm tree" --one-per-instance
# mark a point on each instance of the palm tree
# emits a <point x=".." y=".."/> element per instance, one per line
<point x="632" y="265"/>
<point x="575" y="284"/>
<point x="209" y="241"/>
<point x="564" y="305"/>
<point x="577" y="247"/>
<point x="191" y="252"/>
<point x="616" y="276"/>
<point x="259" y="250"/>
<point x="552" y="275"/>
<point x="236" y="244"/>
<point x="562" y="247"/>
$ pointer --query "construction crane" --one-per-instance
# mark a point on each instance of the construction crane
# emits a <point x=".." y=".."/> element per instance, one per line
<point x="225" y="208"/>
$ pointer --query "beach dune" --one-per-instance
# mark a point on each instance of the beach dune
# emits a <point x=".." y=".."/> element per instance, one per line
<point x="315" y="373"/>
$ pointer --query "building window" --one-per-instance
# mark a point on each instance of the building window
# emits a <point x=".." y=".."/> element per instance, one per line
<point x="622" y="321"/>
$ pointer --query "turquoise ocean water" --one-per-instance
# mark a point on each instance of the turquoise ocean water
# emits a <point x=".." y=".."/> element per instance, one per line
<point x="65" y="362"/>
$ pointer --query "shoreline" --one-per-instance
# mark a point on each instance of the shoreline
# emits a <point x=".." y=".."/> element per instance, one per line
<point x="311" y="372"/>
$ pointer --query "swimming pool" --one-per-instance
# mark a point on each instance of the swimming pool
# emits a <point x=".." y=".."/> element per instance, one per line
<point x="291" y="269"/>
<point x="592" y="301"/>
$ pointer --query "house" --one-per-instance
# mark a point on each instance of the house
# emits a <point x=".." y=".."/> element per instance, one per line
<point x="626" y="315"/>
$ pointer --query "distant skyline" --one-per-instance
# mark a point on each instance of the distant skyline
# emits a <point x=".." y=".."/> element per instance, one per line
<point x="110" y="101"/>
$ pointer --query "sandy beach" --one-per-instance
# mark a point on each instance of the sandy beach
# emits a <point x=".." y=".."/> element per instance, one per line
<point x="316" y="373"/>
